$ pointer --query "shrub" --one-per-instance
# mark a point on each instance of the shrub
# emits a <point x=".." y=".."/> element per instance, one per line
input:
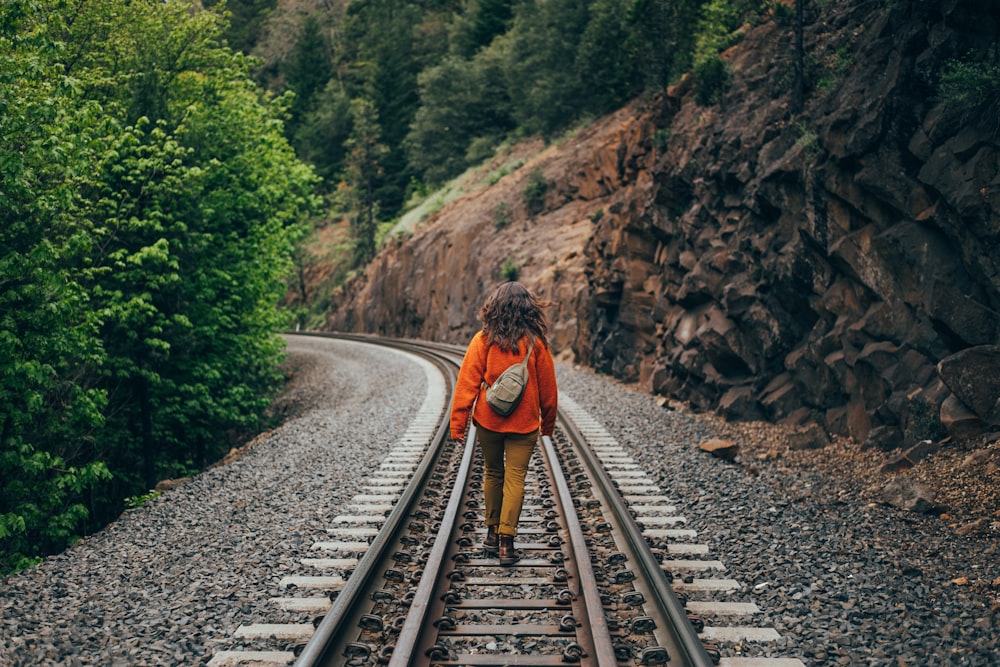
<point x="501" y="215"/>
<point x="534" y="191"/>
<point x="976" y="88"/>
<point x="711" y="77"/>
<point x="510" y="270"/>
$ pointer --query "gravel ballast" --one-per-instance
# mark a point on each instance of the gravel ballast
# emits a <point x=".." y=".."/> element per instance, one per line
<point x="845" y="581"/>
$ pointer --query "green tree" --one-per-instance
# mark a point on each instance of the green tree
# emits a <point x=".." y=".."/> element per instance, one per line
<point x="319" y="138"/>
<point x="307" y="71"/>
<point x="246" y="19"/>
<point x="140" y="258"/>
<point x="384" y="68"/>
<point x="606" y="60"/>
<point x="477" y="24"/>
<point x="49" y="409"/>
<point x="461" y="102"/>
<point x="664" y="32"/>
<point x="541" y="50"/>
<point x="363" y="170"/>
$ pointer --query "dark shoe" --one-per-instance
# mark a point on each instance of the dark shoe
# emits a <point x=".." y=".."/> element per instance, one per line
<point x="492" y="540"/>
<point x="508" y="554"/>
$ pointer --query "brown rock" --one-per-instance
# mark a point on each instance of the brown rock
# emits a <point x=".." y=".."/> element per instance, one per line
<point x="976" y="458"/>
<point x="973" y="375"/>
<point x="977" y="526"/>
<point x="896" y="462"/>
<point x="811" y="436"/>
<point x="724" y="449"/>
<point x="170" y="484"/>
<point x="958" y="419"/>
<point x="907" y="494"/>
<point x="884" y="438"/>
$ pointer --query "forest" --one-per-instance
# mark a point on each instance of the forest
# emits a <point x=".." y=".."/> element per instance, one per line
<point x="162" y="162"/>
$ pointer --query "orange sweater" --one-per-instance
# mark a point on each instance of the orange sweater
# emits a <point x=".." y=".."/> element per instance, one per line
<point x="537" y="408"/>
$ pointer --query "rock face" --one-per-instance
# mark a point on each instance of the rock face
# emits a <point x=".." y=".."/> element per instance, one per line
<point x="810" y="267"/>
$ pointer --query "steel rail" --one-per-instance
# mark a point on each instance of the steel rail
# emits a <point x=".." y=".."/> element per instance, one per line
<point x="334" y="624"/>
<point x="416" y="618"/>
<point x="684" y="632"/>
<point x="596" y="620"/>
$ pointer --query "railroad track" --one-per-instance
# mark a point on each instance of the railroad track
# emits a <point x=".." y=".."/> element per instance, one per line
<point x="608" y="575"/>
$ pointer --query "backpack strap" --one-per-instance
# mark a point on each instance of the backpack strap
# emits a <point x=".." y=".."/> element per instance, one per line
<point x="524" y="362"/>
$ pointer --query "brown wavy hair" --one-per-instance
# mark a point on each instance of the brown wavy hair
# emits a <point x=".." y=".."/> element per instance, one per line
<point x="510" y="313"/>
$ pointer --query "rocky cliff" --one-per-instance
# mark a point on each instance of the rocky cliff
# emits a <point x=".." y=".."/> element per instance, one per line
<point x="837" y="265"/>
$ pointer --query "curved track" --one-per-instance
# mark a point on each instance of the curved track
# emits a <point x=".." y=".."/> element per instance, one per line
<point x="411" y="584"/>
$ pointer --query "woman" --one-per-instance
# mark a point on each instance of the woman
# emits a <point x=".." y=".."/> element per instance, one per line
<point x="513" y="327"/>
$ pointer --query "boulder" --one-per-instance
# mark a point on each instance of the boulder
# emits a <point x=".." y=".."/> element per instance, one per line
<point x="724" y="449"/>
<point x="958" y="419"/>
<point x="973" y="375"/>
<point x="810" y="436"/>
<point x="907" y="494"/>
<point x="884" y="438"/>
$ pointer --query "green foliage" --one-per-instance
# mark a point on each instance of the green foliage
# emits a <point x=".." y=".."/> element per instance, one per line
<point x="463" y="103"/>
<point x="449" y="82"/>
<point x="149" y="208"/>
<point x="501" y="215"/>
<point x="808" y="140"/>
<point x="322" y="134"/>
<point x="477" y="24"/>
<point x="133" y="502"/>
<point x="968" y="83"/>
<point x="711" y="77"/>
<point x="246" y="21"/>
<point x="534" y="191"/>
<point x="364" y="164"/>
<point x="510" y="270"/>
<point x="974" y="87"/>
<point x="307" y="71"/>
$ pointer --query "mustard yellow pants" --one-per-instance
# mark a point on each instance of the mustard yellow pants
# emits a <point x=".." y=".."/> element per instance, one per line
<point x="505" y="460"/>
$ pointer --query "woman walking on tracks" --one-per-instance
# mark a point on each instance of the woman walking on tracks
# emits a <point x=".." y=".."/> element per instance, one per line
<point x="513" y="334"/>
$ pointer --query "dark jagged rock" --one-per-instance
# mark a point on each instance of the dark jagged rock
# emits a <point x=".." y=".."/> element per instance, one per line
<point x="973" y="375"/>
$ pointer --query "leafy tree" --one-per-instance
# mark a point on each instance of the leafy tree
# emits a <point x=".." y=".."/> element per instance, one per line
<point x="320" y="137"/>
<point x="140" y="256"/>
<point x="610" y="73"/>
<point x="664" y="32"/>
<point x="246" y="19"/>
<point x="541" y="51"/>
<point x="385" y="68"/>
<point x="49" y="411"/>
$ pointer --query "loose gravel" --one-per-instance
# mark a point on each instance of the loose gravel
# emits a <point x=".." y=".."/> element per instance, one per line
<point x="844" y="580"/>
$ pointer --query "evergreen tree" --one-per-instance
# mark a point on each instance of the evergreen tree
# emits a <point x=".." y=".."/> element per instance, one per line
<point x="307" y="71"/>
<point x="461" y="102"/>
<point x="541" y="49"/>
<point x="478" y="23"/>
<point x="362" y="173"/>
